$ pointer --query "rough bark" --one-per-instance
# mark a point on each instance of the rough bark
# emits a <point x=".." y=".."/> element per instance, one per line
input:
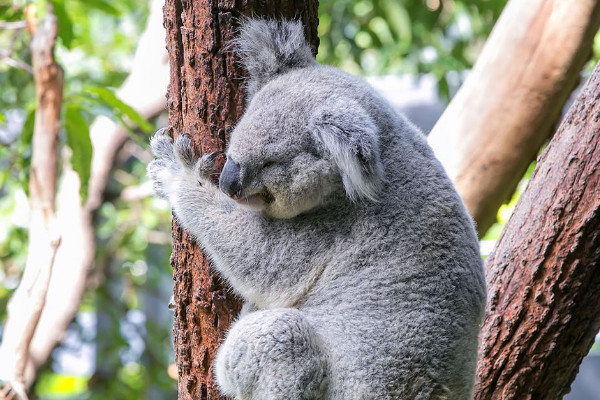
<point x="27" y="302"/>
<point x="205" y="100"/>
<point x="544" y="274"/>
<point x="507" y="108"/>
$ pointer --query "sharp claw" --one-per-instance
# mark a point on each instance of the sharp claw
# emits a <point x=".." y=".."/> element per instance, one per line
<point x="160" y="134"/>
<point x="213" y="156"/>
<point x="183" y="149"/>
<point x="206" y="163"/>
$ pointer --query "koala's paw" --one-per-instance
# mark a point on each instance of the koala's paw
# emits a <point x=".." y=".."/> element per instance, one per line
<point x="162" y="169"/>
<point x="175" y="164"/>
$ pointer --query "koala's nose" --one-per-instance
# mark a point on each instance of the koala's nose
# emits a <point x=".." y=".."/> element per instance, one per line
<point x="230" y="180"/>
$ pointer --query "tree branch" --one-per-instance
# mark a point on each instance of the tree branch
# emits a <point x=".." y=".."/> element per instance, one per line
<point x="13" y="24"/>
<point x="13" y="62"/>
<point x="544" y="274"/>
<point x="507" y="108"/>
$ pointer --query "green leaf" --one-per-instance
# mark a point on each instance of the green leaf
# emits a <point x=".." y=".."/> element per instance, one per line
<point x="443" y="88"/>
<point x="400" y="23"/>
<point x="27" y="132"/>
<point x="2" y="118"/>
<point x="103" y="6"/>
<point x="78" y="139"/>
<point x="50" y="385"/>
<point x="109" y="97"/>
<point x="65" y="26"/>
<point x="8" y="12"/>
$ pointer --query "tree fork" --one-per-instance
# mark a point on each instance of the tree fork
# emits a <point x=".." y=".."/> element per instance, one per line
<point x="205" y="99"/>
<point x="544" y="274"/>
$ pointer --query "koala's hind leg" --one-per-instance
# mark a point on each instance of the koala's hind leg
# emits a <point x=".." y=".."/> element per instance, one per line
<point x="272" y="354"/>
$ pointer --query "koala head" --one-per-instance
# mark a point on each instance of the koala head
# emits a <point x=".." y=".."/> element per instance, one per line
<point x="303" y="138"/>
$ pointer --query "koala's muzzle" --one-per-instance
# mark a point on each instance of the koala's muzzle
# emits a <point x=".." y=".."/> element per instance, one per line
<point x="230" y="181"/>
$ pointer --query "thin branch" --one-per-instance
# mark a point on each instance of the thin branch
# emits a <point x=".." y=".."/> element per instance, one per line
<point x="13" y="24"/>
<point x="13" y="62"/>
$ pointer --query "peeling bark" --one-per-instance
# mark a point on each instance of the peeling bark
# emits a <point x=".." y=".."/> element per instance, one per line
<point x="205" y="100"/>
<point x="544" y="274"/>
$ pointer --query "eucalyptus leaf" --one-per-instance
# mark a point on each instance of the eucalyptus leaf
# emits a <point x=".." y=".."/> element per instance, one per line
<point x="10" y="13"/>
<point x="103" y="6"/>
<point x="65" y="25"/>
<point x="400" y="22"/>
<point x="78" y="139"/>
<point x="109" y="97"/>
<point x="27" y="133"/>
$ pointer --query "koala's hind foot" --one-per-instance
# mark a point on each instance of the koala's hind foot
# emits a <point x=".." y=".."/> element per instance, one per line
<point x="271" y="354"/>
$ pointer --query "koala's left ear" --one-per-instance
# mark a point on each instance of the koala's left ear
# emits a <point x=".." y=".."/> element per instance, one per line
<point x="269" y="48"/>
<point x="349" y="134"/>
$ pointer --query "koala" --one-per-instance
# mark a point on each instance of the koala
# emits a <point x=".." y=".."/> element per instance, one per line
<point x="357" y="260"/>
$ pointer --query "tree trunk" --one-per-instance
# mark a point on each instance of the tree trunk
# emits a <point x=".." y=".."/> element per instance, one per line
<point x="205" y="100"/>
<point x="544" y="274"/>
<point x="27" y="302"/>
<point x="75" y="255"/>
<point x="507" y="108"/>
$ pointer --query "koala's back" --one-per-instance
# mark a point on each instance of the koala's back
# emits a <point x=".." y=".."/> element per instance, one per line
<point x="403" y="292"/>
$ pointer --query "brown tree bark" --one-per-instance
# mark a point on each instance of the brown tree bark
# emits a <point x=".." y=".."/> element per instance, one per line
<point x="506" y="110"/>
<point x="544" y="274"/>
<point x="205" y="99"/>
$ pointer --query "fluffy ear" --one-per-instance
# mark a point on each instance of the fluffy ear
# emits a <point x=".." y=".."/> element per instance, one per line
<point x="349" y="134"/>
<point x="268" y="48"/>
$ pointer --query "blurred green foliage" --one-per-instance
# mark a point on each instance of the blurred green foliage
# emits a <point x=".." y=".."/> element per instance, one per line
<point x="406" y="36"/>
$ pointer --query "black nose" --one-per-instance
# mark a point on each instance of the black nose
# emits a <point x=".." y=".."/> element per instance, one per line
<point x="230" y="180"/>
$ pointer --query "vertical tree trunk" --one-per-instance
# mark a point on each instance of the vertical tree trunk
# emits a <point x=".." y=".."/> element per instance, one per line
<point x="205" y="99"/>
<point x="544" y="274"/>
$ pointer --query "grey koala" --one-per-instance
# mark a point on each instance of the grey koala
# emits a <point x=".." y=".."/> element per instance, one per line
<point x="333" y="220"/>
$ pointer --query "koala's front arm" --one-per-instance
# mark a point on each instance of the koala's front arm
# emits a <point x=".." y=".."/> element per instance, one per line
<point x="239" y="242"/>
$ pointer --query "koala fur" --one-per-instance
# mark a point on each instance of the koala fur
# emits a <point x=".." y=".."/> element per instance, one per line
<point x="333" y="220"/>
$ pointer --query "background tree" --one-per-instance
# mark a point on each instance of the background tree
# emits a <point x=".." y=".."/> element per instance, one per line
<point x="526" y="72"/>
<point x="126" y="249"/>
<point x="44" y="233"/>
